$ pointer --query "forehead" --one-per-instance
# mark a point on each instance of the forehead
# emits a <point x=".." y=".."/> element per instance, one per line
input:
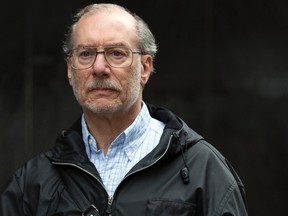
<point x="105" y="27"/>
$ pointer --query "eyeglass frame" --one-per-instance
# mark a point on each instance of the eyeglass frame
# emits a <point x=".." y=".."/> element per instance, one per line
<point x="103" y="52"/>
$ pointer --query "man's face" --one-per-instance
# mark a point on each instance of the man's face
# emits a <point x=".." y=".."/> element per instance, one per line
<point x="103" y="89"/>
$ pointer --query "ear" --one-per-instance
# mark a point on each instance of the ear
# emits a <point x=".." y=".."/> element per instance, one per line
<point x="147" y="67"/>
<point x="69" y="70"/>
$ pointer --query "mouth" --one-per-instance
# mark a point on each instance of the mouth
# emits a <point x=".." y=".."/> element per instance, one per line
<point x="102" y="90"/>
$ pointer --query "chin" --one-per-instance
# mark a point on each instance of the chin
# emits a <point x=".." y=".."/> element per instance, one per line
<point x="103" y="108"/>
<point x="106" y="106"/>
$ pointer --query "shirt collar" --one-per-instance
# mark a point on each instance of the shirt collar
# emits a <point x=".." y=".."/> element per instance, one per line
<point x="127" y="137"/>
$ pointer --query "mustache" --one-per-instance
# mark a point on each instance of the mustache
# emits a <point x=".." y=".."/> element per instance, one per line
<point x="103" y="84"/>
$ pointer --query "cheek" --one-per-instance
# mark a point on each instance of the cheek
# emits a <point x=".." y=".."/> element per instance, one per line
<point x="135" y="81"/>
<point x="77" y="82"/>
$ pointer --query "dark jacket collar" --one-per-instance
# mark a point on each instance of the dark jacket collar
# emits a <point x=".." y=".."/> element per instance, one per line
<point x="70" y="147"/>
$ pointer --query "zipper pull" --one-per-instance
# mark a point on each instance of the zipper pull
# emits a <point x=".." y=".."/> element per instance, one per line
<point x="109" y="207"/>
<point x="91" y="211"/>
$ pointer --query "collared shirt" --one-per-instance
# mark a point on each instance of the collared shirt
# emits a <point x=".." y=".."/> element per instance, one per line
<point x="134" y="143"/>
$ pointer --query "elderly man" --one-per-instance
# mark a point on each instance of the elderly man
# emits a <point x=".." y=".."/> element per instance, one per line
<point x="123" y="156"/>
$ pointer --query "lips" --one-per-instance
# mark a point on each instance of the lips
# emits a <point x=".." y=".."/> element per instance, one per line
<point x="102" y="90"/>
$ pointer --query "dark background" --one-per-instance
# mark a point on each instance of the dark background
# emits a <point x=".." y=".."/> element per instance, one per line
<point x="222" y="67"/>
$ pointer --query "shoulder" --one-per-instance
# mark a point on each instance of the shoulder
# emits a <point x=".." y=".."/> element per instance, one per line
<point x="32" y="189"/>
<point x="211" y="166"/>
<point x="211" y="149"/>
<point x="37" y="172"/>
<point x="207" y="153"/>
<point x="216" y="177"/>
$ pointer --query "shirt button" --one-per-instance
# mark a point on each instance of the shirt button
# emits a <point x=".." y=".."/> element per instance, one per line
<point x="90" y="141"/>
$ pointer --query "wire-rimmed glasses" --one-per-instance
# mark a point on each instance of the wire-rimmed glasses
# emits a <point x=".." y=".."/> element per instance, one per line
<point x="116" y="56"/>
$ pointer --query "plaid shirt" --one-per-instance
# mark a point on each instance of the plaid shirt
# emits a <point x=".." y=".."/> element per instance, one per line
<point x="134" y="143"/>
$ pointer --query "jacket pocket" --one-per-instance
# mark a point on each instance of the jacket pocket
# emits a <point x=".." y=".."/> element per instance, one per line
<point x="165" y="207"/>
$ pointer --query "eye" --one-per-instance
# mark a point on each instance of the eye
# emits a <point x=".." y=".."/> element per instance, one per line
<point x="116" y="53"/>
<point x="84" y="53"/>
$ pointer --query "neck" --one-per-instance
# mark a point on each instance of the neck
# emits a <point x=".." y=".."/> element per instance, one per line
<point x="105" y="128"/>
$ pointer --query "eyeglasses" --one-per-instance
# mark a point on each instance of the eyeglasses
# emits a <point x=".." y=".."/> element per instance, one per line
<point x="119" y="57"/>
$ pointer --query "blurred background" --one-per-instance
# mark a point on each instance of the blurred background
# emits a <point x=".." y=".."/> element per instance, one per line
<point x="222" y="67"/>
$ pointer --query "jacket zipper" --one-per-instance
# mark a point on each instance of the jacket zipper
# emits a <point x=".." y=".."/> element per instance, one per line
<point x="80" y="168"/>
<point x="109" y="207"/>
<point x="74" y="165"/>
<point x="129" y="174"/>
<point x="110" y="199"/>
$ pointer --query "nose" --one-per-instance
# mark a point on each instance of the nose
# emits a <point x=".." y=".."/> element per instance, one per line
<point x="100" y="64"/>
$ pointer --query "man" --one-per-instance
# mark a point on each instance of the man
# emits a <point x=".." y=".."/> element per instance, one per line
<point x="123" y="156"/>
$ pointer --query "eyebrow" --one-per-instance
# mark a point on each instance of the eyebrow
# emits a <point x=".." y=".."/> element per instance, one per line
<point x="121" y="44"/>
<point x="117" y="44"/>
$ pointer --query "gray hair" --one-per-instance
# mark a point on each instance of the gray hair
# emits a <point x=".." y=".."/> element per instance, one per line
<point x="146" y="40"/>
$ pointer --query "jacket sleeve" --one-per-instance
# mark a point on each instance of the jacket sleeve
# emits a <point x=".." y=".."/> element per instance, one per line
<point x="224" y="190"/>
<point x="233" y="204"/>
<point x="236" y="203"/>
<point x="11" y="199"/>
